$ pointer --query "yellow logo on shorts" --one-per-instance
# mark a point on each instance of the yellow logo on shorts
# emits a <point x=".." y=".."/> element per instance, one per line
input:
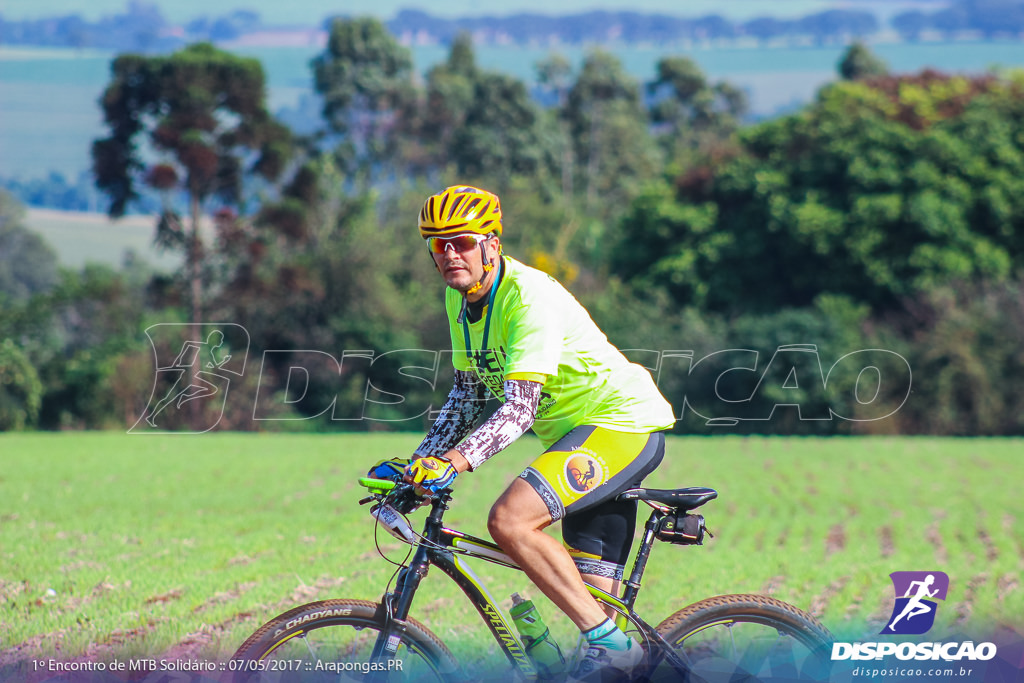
<point x="583" y="472"/>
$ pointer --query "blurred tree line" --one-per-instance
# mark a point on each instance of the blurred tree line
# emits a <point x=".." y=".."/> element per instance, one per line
<point x="854" y="267"/>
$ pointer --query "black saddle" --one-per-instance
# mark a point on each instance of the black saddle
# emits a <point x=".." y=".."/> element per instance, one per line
<point x="681" y="499"/>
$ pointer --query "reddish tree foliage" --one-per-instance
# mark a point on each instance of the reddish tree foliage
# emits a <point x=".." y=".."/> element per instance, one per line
<point x="949" y="94"/>
<point x="162" y="177"/>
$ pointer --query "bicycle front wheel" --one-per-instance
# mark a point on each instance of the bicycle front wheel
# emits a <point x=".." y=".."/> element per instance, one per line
<point x="745" y="638"/>
<point x="332" y="640"/>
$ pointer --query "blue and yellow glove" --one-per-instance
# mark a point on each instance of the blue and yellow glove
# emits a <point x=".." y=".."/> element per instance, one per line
<point x="392" y="470"/>
<point x="431" y="473"/>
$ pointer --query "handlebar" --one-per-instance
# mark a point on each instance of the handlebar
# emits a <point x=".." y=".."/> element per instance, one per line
<point x="376" y="486"/>
<point x="399" y="495"/>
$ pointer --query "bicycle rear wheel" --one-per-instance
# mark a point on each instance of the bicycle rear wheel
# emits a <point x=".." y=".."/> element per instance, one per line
<point x="332" y="640"/>
<point x="745" y="638"/>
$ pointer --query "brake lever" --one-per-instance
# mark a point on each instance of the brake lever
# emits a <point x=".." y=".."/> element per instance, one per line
<point x="405" y="499"/>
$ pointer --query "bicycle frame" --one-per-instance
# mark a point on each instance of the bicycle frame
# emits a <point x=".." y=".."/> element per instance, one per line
<point x="448" y="550"/>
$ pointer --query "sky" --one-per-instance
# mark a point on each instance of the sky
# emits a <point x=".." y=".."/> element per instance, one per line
<point x="312" y="12"/>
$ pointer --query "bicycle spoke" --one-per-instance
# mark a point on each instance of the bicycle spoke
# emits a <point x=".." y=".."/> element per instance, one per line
<point x="784" y="664"/>
<point x="317" y="659"/>
<point x="309" y="647"/>
<point x="754" y="660"/>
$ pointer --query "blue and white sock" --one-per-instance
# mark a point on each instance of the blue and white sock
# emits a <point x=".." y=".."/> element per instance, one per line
<point x="609" y="636"/>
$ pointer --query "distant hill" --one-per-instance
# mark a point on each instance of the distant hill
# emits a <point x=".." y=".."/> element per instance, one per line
<point x="142" y="27"/>
<point x="627" y="27"/>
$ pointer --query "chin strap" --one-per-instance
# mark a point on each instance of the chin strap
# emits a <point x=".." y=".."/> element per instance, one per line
<point x="488" y="267"/>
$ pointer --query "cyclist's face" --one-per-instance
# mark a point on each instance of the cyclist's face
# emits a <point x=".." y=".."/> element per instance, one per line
<point x="463" y="269"/>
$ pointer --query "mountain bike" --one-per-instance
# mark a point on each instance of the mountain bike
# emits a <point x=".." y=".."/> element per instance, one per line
<point x="722" y="638"/>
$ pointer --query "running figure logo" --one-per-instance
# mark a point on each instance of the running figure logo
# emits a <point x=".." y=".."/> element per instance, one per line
<point x="916" y="592"/>
<point x="207" y="357"/>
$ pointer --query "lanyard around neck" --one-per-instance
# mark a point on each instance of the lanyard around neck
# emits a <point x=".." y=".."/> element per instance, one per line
<point x="490" y="310"/>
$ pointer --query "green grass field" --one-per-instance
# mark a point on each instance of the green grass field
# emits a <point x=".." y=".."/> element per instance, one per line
<point x="79" y="238"/>
<point x="179" y="546"/>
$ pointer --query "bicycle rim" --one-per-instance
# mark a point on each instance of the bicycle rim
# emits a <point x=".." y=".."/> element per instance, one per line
<point x="333" y="640"/>
<point x="733" y="638"/>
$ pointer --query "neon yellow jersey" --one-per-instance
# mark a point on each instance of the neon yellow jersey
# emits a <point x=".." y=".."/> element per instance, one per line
<point x="538" y="328"/>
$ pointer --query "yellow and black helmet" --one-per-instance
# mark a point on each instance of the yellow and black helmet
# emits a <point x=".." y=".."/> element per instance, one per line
<point x="460" y="209"/>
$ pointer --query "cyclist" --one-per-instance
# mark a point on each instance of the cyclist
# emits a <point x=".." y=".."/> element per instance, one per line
<point x="519" y="334"/>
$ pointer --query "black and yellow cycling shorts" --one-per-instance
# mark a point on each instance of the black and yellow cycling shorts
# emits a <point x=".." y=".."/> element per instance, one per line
<point x="578" y="479"/>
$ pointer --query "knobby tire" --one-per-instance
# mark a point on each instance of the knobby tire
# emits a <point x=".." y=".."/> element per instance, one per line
<point x="745" y="638"/>
<point x="317" y="641"/>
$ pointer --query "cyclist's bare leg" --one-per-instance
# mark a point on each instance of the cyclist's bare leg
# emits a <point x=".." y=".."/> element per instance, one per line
<point x="610" y="586"/>
<point x="517" y="523"/>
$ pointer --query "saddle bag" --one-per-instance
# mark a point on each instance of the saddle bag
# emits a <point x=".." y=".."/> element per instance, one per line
<point x="681" y="528"/>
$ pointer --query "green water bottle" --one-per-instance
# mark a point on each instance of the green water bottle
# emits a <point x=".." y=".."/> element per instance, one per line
<point x="540" y="646"/>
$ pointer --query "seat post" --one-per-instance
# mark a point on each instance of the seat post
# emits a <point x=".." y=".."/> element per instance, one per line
<point x="642" y="554"/>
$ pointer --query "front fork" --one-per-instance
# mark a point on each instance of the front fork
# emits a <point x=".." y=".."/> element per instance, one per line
<point x="393" y="608"/>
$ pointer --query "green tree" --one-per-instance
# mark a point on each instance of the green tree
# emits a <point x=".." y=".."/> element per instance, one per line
<point x="555" y="75"/>
<point x="966" y="344"/>
<point x="607" y="123"/>
<point x="899" y="186"/>
<point x="449" y="96"/>
<point x="20" y="388"/>
<point x="499" y="137"/>
<point x="28" y="265"/>
<point x="358" y="278"/>
<point x="692" y="116"/>
<point x="202" y="114"/>
<point x="365" y="79"/>
<point x="859" y="62"/>
<point x="94" y="318"/>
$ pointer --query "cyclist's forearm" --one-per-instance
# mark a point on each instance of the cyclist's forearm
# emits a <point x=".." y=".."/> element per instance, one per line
<point x="457" y="460"/>
<point x="460" y="412"/>
<point x="507" y="424"/>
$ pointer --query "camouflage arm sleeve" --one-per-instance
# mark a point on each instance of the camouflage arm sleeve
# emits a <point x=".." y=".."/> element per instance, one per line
<point x="507" y="424"/>
<point x="460" y="412"/>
